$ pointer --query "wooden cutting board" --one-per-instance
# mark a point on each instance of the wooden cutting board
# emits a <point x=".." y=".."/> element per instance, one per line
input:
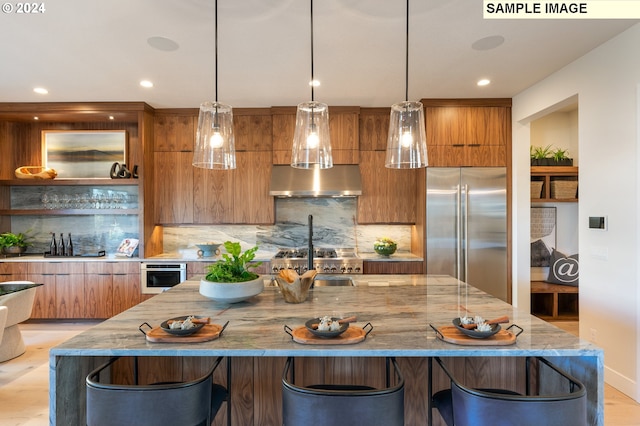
<point x="451" y="334"/>
<point x="206" y="333"/>
<point x="350" y="336"/>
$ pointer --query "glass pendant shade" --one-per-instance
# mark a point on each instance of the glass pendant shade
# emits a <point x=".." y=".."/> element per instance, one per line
<point x="311" y="141"/>
<point x="407" y="141"/>
<point x="215" y="145"/>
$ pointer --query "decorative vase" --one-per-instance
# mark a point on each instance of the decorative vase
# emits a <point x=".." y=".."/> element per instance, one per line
<point x="231" y="292"/>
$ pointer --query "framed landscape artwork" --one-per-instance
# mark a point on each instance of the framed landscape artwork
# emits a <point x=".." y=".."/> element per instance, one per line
<point x="83" y="154"/>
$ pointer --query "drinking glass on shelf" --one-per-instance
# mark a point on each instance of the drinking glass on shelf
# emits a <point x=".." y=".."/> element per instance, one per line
<point x="46" y="201"/>
<point x="66" y="201"/>
<point x="55" y="201"/>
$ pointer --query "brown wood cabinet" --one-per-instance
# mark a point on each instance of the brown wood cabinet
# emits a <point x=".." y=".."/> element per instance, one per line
<point x="388" y="195"/>
<point x="189" y="195"/>
<point x="76" y="290"/>
<point x="252" y="129"/>
<point x="13" y="271"/>
<point x="62" y="295"/>
<point x="343" y="126"/>
<point x="174" y="130"/>
<point x="392" y="267"/>
<point x="374" y="128"/>
<point x="251" y="200"/>
<point x="173" y="187"/>
<point x="468" y="132"/>
<point x="110" y="287"/>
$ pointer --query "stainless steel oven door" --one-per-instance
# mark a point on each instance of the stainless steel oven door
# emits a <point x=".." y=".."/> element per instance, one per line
<point x="158" y="277"/>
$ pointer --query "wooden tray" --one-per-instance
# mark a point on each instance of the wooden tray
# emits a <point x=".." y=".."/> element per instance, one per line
<point x="350" y="336"/>
<point x="451" y="334"/>
<point x="208" y="332"/>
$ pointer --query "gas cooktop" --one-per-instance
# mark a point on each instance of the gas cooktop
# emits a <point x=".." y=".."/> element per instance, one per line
<point x="325" y="260"/>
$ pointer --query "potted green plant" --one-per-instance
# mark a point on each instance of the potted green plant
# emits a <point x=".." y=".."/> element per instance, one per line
<point x="546" y="156"/>
<point x="540" y="155"/>
<point x="229" y="279"/>
<point x="13" y="243"/>
<point x="561" y="157"/>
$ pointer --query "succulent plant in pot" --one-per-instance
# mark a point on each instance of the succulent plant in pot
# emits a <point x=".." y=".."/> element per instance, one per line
<point x="229" y="279"/>
<point x="13" y="243"/>
<point x="561" y="157"/>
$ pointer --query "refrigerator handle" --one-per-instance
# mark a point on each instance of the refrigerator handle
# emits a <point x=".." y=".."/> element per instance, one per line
<point x="465" y="227"/>
<point x="458" y="210"/>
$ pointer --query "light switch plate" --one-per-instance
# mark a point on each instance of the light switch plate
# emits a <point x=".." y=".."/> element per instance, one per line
<point x="598" y="222"/>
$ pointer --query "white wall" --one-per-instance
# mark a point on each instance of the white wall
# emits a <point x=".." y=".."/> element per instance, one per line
<point x="606" y="82"/>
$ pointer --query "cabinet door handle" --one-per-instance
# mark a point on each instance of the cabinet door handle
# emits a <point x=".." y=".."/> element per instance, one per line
<point x="474" y="144"/>
<point x="458" y="145"/>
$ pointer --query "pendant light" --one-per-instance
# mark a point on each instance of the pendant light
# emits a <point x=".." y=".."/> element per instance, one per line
<point x="311" y="141"/>
<point x="407" y="141"/>
<point x="215" y="146"/>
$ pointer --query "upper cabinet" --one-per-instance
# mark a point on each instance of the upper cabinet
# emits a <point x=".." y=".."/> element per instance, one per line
<point x="388" y="195"/>
<point x="468" y="132"/>
<point x="343" y="127"/>
<point x="374" y="128"/>
<point x="191" y="195"/>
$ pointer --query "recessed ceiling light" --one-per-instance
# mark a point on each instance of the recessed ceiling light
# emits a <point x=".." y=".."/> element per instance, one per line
<point x="111" y="117"/>
<point x="484" y="82"/>
<point x="40" y="90"/>
<point x="36" y="118"/>
<point x="146" y="83"/>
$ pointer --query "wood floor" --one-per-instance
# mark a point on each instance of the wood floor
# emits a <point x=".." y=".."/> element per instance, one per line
<point x="24" y="381"/>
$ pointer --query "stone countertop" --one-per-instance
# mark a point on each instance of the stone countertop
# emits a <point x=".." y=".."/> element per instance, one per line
<point x="265" y="256"/>
<point x="399" y="307"/>
<point x="193" y="257"/>
<point x="41" y="258"/>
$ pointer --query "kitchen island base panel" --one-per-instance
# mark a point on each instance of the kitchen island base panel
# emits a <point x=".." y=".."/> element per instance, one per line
<point x="256" y="386"/>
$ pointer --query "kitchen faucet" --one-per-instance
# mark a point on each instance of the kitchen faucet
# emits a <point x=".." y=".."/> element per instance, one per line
<point x="310" y="253"/>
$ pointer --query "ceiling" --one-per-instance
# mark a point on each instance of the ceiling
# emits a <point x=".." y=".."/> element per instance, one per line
<point x="99" y="51"/>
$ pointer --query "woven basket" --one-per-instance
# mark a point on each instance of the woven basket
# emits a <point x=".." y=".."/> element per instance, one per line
<point x="564" y="189"/>
<point x="536" y="188"/>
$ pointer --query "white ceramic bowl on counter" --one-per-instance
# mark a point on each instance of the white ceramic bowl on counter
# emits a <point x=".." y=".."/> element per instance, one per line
<point x="231" y="292"/>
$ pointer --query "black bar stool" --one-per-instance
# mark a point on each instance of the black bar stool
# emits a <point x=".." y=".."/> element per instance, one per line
<point x="189" y="403"/>
<point x="559" y="399"/>
<point x="338" y="405"/>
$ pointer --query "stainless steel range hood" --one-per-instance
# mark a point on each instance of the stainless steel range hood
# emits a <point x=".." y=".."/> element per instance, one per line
<point x="338" y="181"/>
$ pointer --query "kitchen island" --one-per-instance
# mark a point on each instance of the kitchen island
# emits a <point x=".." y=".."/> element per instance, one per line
<point x="400" y="308"/>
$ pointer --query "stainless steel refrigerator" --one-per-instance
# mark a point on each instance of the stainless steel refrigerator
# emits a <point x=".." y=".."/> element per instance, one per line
<point x="467" y="226"/>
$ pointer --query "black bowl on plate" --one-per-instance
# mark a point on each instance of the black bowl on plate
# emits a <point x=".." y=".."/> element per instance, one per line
<point x="475" y="333"/>
<point x="178" y="331"/>
<point x="325" y="334"/>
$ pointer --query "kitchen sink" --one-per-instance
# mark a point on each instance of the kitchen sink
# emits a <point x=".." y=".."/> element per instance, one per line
<point x="329" y="281"/>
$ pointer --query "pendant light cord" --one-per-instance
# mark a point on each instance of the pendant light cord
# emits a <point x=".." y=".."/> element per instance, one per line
<point x="216" y="47"/>
<point x="312" y="82"/>
<point x="406" y="77"/>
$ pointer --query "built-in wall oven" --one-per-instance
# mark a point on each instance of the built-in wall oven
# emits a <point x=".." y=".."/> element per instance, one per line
<point x="156" y="277"/>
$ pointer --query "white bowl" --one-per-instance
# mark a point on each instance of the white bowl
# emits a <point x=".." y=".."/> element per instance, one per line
<point x="231" y="292"/>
